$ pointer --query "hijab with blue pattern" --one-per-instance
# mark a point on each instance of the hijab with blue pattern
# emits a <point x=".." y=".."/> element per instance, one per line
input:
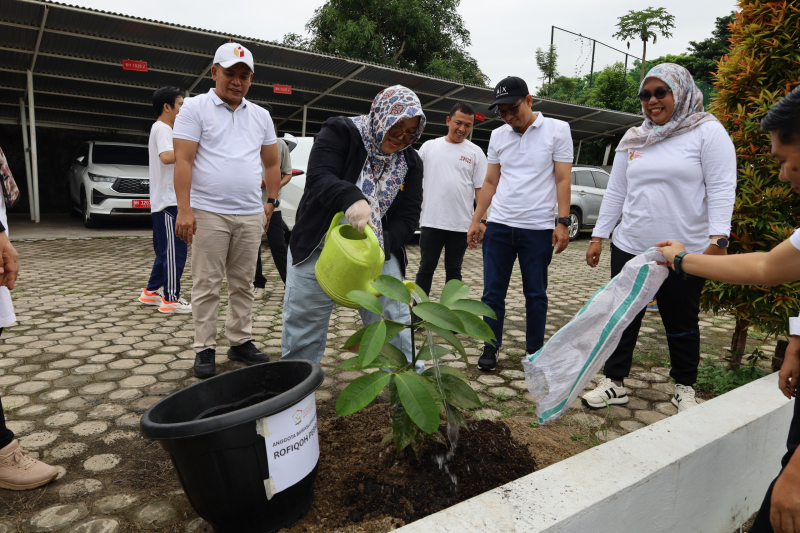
<point x="383" y="174"/>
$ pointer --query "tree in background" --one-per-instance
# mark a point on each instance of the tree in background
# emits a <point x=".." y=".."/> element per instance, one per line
<point x="547" y="63"/>
<point x="613" y="89"/>
<point x="702" y="57"/>
<point x="428" y="36"/>
<point x="763" y="65"/>
<point x="645" y="25"/>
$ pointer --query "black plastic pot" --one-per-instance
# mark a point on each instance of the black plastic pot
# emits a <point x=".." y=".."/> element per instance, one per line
<point x="209" y="431"/>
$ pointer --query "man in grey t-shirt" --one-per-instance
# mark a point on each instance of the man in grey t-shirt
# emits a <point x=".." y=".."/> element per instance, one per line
<point x="276" y="233"/>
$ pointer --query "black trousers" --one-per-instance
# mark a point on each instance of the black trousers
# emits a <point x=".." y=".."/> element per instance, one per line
<point x="762" y="525"/>
<point x="431" y="243"/>
<point x="6" y="435"/>
<point x="276" y="235"/>
<point x="679" y="306"/>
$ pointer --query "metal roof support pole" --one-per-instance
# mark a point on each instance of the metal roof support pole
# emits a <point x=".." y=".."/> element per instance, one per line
<point x="39" y="37"/>
<point x="34" y="164"/>
<point x="470" y="133"/>
<point x="591" y="71"/>
<point x="578" y="155"/>
<point x="24" y="123"/>
<point x="605" y="157"/>
<point x="305" y="114"/>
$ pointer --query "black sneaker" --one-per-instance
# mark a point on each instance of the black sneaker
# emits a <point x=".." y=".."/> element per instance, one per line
<point x="247" y="353"/>
<point x="488" y="359"/>
<point x="204" y="365"/>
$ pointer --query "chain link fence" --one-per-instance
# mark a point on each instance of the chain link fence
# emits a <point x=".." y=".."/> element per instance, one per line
<point x="583" y="58"/>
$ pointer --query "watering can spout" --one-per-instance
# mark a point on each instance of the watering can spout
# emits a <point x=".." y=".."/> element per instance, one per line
<point x="349" y="261"/>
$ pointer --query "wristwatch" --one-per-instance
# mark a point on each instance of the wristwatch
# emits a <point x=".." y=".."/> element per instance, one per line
<point x="484" y="221"/>
<point x="564" y="220"/>
<point x="676" y="262"/>
<point x="274" y="201"/>
<point x="722" y="242"/>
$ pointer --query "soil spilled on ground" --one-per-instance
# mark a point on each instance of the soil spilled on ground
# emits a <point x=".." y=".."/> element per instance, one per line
<point x="364" y="486"/>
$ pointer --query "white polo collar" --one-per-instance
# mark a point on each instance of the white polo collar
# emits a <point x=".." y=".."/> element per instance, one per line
<point x="218" y="101"/>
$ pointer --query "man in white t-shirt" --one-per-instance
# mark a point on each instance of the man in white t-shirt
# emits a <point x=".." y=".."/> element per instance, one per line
<point x="170" y="251"/>
<point x="780" y="509"/>
<point x="530" y="160"/>
<point x="221" y="141"/>
<point x="453" y="174"/>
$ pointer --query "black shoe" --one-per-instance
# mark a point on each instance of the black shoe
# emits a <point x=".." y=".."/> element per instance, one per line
<point x="204" y="365"/>
<point x="247" y="353"/>
<point x="488" y="359"/>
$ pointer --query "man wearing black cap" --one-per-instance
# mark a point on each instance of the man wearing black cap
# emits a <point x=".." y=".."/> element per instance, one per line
<point x="530" y="161"/>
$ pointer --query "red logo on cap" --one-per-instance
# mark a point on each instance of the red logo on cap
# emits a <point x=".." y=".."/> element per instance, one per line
<point x="238" y="51"/>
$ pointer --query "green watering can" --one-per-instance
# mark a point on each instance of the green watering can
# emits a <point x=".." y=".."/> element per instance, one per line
<point x="349" y="261"/>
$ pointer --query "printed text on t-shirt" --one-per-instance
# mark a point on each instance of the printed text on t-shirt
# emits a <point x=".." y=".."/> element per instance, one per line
<point x="467" y="160"/>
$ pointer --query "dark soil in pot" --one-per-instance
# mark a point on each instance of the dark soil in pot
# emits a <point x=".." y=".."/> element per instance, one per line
<point x="361" y="482"/>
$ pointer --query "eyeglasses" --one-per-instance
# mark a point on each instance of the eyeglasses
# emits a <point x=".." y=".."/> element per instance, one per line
<point x="396" y="132"/>
<point x="659" y="93"/>
<point x="512" y="110"/>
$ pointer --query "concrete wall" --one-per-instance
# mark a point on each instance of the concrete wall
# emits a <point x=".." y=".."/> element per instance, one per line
<point x="704" y="470"/>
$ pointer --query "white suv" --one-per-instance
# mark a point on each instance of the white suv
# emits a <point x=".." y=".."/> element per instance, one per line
<point x="292" y="192"/>
<point x="588" y="189"/>
<point x="109" y="179"/>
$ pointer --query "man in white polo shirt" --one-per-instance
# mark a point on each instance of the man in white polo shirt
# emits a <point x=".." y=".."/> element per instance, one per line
<point x="530" y="161"/>
<point x="453" y="175"/>
<point x="220" y="142"/>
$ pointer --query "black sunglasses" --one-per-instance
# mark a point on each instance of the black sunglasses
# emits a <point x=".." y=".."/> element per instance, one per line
<point x="512" y="110"/>
<point x="659" y="93"/>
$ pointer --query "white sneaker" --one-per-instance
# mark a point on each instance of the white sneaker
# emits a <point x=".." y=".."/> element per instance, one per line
<point x="258" y="293"/>
<point x="150" y="298"/>
<point x="606" y="393"/>
<point x="684" y="397"/>
<point x="178" y="306"/>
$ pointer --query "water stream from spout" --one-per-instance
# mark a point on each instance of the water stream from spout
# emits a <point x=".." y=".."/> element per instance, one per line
<point x="452" y="426"/>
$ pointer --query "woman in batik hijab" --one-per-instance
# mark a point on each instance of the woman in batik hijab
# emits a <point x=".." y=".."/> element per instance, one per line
<point x="365" y="167"/>
<point x="673" y="177"/>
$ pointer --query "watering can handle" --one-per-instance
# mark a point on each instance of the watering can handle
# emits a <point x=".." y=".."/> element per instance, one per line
<point x="335" y="222"/>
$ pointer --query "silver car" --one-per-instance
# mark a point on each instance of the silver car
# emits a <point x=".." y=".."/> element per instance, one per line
<point x="109" y="179"/>
<point x="588" y="188"/>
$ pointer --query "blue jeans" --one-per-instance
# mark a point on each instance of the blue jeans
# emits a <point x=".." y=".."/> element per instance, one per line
<point x="307" y="311"/>
<point x="501" y="246"/>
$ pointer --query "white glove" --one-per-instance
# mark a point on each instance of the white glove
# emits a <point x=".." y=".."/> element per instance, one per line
<point x="359" y="214"/>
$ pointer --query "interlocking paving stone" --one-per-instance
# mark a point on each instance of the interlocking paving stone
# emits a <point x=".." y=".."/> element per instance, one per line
<point x="99" y="463"/>
<point x="54" y="518"/>
<point x="649" y="417"/>
<point x="115" y="503"/>
<point x="61" y="419"/>
<point x="84" y="429"/>
<point x="99" y="525"/>
<point x="37" y="440"/>
<point x="154" y="515"/>
<point x="67" y="450"/>
<point x="78" y="488"/>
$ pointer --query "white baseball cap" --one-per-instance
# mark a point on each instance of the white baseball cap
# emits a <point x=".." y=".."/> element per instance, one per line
<point x="231" y="53"/>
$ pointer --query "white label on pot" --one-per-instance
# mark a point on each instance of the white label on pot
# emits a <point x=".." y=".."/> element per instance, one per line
<point x="292" y="443"/>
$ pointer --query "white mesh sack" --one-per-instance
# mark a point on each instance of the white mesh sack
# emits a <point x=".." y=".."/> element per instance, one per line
<point x="560" y="370"/>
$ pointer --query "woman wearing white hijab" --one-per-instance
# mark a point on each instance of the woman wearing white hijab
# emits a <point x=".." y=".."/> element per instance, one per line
<point x="673" y="175"/>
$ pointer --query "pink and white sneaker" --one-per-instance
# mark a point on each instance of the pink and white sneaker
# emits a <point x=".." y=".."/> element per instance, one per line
<point x="178" y="306"/>
<point x="150" y="298"/>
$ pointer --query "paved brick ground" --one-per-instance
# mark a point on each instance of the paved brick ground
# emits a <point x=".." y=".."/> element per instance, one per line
<point x="86" y="359"/>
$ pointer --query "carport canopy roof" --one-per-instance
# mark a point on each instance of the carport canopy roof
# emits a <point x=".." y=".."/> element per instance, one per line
<point x="76" y="57"/>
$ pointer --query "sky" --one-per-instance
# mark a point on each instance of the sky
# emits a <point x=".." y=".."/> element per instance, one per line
<point x="503" y="43"/>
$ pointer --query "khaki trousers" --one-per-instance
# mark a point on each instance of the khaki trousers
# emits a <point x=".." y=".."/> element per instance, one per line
<point x="224" y="244"/>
